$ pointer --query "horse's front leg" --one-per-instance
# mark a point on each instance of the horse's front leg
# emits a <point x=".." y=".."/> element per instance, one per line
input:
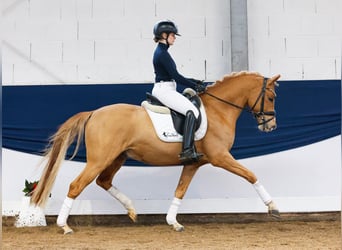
<point x="184" y="181"/>
<point x="227" y="162"/>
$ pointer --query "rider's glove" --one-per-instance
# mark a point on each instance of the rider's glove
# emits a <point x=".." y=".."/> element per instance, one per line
<point x="200" y="86"/>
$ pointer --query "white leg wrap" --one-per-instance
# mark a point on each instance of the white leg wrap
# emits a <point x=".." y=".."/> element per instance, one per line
<point x="123" y="199"/>
<point x="266" y="198"/>
<point x="172" y="213"/>
<point x="64" y="212"/>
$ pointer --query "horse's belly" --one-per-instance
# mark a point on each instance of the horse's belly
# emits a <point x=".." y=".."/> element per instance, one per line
<point x="157" y="156"/>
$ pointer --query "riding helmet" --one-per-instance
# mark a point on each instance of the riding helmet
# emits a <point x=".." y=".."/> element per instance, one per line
<point x="164" y="26"/>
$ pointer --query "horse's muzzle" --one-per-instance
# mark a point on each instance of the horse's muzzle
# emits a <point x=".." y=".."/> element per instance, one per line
<point x="267" y="124"/>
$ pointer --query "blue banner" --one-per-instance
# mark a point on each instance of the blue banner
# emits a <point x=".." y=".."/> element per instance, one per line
<point x="307" y="112"/>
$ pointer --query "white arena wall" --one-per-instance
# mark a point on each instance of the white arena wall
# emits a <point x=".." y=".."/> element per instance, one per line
<point x="299" y="180"/>
<point x="103" y="41"/>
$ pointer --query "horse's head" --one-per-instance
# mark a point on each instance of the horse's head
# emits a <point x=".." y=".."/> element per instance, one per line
<point x="262" y="104"/>
<point x="238" y="90"/>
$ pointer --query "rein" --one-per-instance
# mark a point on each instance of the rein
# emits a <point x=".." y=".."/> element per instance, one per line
<point x="261" y="114"/>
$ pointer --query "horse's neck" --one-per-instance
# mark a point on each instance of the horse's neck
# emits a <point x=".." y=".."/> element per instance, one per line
<point x="234" y="91"/>
<point x="235" y="94"/>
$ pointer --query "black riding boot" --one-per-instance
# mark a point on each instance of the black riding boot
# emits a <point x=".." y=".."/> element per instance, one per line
<point x="189" y="153"/>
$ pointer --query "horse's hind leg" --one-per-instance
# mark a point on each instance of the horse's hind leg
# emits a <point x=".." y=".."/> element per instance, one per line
<point x="88" y="174"/>
<point x="105" y="179"/>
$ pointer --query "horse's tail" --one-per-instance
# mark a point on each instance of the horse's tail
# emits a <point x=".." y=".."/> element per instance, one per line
<point x="55" y="154"/>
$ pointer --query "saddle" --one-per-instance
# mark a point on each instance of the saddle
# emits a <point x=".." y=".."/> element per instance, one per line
<point x="178" y="118"/>
<point x="162" y="117"/>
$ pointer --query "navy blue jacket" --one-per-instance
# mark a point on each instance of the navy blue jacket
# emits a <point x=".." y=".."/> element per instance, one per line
<point x="165" y="68"/>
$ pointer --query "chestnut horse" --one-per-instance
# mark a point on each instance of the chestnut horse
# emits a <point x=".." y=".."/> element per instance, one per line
<point x="115" y="132"/>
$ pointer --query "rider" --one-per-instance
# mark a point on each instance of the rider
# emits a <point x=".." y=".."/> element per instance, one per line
<point x="166" y="77"/>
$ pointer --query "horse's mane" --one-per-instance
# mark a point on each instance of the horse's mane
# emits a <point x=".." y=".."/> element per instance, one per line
<point x="234" y="75"/>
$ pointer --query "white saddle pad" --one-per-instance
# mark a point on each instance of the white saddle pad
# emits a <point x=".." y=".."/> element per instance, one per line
<point x="163" y="125"/>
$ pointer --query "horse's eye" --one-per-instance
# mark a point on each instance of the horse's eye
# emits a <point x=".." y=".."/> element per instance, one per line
<point x="270" y="99"/>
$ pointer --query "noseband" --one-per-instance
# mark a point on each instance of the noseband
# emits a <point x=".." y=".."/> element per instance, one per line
<point x="261" y="114"/>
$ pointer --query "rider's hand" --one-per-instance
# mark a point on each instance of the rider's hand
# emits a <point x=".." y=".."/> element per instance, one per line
<point x="200" y="86"/>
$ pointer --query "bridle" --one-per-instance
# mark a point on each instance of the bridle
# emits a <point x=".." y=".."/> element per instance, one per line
<point x="261" y="114"/>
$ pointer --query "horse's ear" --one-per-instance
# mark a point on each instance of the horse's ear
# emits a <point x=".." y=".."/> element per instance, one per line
<point x="274" y="78"/>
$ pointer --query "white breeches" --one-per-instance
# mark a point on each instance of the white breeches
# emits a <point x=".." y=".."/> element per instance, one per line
<point x="167" y="93"/>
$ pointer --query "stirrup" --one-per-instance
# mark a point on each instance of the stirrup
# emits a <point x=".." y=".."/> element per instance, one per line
<point x="189" y="156"/>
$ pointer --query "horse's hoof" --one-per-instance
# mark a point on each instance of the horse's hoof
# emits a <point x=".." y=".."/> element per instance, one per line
<point x="132" y="215"/>
<point x="274" y="213"/>
<point x="178" y="227"/>
<point x="67" y="230"/>
<point x="273" y="210"/>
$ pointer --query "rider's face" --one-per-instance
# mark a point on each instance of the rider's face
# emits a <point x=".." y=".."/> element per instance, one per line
<point x="170" y="38"/>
